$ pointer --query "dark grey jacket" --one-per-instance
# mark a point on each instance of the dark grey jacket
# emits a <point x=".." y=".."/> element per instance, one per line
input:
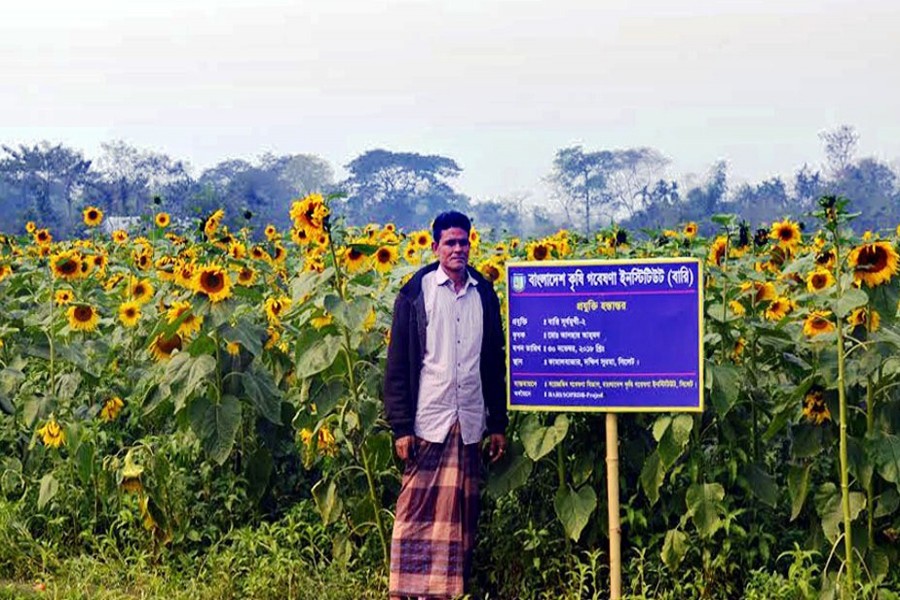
<point x="406" y="354"/>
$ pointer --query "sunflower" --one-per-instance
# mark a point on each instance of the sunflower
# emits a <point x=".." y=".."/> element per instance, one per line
<point x="738" y="351"/>
<point x="717" y="251"/>
<point x="82" y="317"/>
<point x="246" y="276"/>
<point x="314" y="262"/>
<point x="272" y="337"/>
<point x="63" y="297"/>
<point x="42" y="237"/>
<point x="111" y="409"/>
<point x="190" y="324"/>
<point x="873" y="264"/>
<point x="140" y="290"/>
<point x="165" y="268"/>
<point x="819" y="279"/>
<point x="778" y="308"/>
<point x="184" y="275"/>
<point x="325" y="442"/>
<point x="5" y="271"/>
<point x="825" y="259"/>
<point x="369" y="322"/>
<point x="300" y="236"/>
<point x="492" y="270"/>
<point x="422" y="239"/>
<point x="143" y="260"/>
<point x="818" y="322"/>
<point x="92" y="216"/>
<point x="814" y="408"/>
<point x="162" y="219"/>
<point x="737" y="308"/>
<point x="212" y="222"/>
<point x="66" y="265"/>
<point x="213" y="281"/>
<point x="100" y="262"/>
<point x="385" y="258"/>
<point x="30" y="227"/>
<point x="162" y="347"/>
<point x="113" y="281"/>
<point x="538" y="250"/>
<point x="690" y="230"/>
<point x="86" y="267"/>
<point x="762" y="291"/>
<point x="863" y="317"/>
<point x="474" y="238"/>
<point x="354" y="260"/>
<point x="310" y="213"/>
<point x="257" y="252"/>
<point x="411" y="254"/>
<point x="233" y="348"/>
<point x="276" y="307"/>
<point x="237" y="250"/>
<point x="280" y="254"/>
<point x="271" y="233"/>
<point x="52" y="434"/>
<point x="786" y="233"/>
<point x="130" y="313"/>
<point x="322" y="321"/>
<point x="119" y="236"/>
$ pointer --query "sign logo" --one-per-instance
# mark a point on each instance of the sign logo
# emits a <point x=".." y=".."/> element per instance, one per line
<point x="518" y="282"/>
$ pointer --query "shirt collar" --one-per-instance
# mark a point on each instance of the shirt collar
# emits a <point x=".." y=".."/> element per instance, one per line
<point x="443" y="278"/>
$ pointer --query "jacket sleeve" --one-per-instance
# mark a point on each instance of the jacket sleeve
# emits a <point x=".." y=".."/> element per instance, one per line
<point x="399" y="406"/>
<point x="495" y="382"/>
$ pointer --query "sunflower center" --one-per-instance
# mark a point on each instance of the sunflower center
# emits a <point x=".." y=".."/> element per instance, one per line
<point x="873" y="258"/>
<point x="83" y="314"/>
<point x="540" y="253"/>
<point x="168" y="345"/>
<point x="384" y="256"/>
<point x="212" y="282"/>
<point x="68" y="266"/>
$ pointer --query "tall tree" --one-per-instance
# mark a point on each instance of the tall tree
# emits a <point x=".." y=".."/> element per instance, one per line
<point x="129" y="178"/>
<point x="48" y="180"/>
<point x="614" y="183"/>
<point x="403" y="187"/>
<point x="840" y="147"/>
<point x="580" y="181"/>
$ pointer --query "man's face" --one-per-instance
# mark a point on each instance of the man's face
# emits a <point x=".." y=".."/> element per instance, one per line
<point x="452" y="250"/>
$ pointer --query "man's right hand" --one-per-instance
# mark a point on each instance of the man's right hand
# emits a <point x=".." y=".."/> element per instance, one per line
<point x="405" y="447"/>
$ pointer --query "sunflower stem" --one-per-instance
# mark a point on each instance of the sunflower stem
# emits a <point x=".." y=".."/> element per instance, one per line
<point x="870" y="486"/>
<point x="847" y="588"/>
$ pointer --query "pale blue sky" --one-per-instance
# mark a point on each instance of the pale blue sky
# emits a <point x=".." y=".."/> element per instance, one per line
<point x="498" y="86"/>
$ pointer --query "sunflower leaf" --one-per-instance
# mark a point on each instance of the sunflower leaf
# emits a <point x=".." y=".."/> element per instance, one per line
<point x="216" y="424"/>
<point x="851" y="299"/>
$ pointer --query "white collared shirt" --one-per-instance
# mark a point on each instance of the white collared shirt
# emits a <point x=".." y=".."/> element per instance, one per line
<point x="450" y="381"/>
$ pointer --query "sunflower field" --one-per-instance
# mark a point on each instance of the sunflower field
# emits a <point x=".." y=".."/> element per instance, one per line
<point x="186" y="399"/>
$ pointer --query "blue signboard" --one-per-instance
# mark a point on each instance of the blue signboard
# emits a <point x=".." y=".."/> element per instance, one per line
<point x="606" y="336"/>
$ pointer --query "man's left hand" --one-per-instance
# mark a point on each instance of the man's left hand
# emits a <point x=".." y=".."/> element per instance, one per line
<point x="496" y="447"/>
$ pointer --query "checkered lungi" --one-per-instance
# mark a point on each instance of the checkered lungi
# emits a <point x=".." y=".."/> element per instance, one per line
<point x="437" y="514"/>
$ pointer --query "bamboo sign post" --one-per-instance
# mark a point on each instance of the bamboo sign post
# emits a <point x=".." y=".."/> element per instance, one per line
<point x="612" y="497"/>
<point x="606" y="336"/>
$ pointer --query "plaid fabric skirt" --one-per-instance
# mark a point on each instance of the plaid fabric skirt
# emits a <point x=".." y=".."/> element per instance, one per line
<point x="437" y="515"/>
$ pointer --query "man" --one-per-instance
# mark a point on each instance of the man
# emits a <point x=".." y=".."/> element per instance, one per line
<point x="444" y="388"/>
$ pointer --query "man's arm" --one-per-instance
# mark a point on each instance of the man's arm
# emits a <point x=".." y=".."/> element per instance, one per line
<point x="398" y="403"/>
<point x="494" y="382"/>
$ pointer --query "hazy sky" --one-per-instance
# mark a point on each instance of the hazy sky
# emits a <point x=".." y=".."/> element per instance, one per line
<point x="497" y="85"/>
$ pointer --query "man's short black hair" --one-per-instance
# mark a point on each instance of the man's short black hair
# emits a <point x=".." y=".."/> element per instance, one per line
<point x="448" y="220"/>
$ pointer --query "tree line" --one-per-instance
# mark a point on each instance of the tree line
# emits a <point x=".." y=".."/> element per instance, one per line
<point x="590" y="189"/>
